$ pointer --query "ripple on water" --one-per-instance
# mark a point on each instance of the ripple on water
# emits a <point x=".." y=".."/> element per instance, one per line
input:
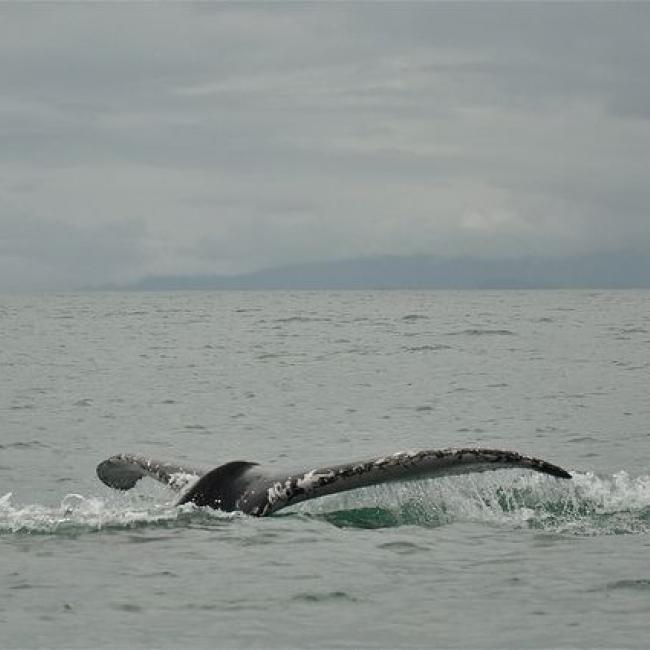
<point x="127" y="607"/>
<point x="403" y="547"/>
<point x="302" y="319"/>
<point x="323" y="597"/>
<point x="436" y="347"/>
<point x="633" y="330"/>
<point x="477" y="331"/>
<point x="635" y="584"/>
<point x="25" y="444"/>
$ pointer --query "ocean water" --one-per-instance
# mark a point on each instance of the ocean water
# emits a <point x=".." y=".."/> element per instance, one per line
<point x="501" y="559"/>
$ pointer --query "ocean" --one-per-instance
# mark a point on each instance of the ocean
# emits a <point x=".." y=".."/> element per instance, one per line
<point x="506" y="559"/>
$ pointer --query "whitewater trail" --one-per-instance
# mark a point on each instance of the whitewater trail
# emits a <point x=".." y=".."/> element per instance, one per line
<point x="587" y="505"/>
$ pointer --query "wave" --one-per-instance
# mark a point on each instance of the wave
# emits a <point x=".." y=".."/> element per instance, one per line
<point x="588" y="505"/>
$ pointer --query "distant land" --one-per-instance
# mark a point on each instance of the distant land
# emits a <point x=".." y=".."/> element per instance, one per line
<point x="604" y="270"/>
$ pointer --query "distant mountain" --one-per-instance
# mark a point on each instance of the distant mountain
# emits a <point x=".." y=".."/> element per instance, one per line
<point x="605" y="270"/>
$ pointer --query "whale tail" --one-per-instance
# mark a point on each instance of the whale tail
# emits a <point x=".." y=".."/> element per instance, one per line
<point x="123" y="471"/>
<point x="245" y="486"/>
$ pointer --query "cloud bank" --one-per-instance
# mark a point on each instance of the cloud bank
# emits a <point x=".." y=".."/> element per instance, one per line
<point x="219" y="138"/>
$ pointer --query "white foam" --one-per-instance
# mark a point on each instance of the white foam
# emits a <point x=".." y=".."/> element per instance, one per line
<point x="181" y="480"/>
<point x="76" y="512"/>
<point x="617" y="493"/>
<point x="586" y="505"/>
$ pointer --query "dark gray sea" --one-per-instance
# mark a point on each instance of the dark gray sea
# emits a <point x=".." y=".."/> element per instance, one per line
<point x="505" y="559"/>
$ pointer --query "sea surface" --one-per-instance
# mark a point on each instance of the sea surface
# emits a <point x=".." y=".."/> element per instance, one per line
<point x="502" y="559"/>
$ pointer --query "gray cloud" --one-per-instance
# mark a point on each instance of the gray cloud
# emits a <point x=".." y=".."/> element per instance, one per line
<point x="48" y="254"/>
<point x="223" y="138"/>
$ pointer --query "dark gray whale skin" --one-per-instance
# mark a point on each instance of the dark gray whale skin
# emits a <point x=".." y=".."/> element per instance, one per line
<point x="261" y="491"/>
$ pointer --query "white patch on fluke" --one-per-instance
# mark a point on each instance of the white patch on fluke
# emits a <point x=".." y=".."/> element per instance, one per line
<point x="308" y="482"/>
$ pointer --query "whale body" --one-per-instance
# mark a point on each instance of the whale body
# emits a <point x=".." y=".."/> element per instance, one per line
<point x="260" y="491"/>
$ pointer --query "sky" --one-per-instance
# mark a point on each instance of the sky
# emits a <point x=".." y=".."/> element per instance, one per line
<point x="180" y="138"/>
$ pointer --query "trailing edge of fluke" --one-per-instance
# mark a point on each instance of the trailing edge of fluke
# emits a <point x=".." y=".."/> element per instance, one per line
<point x="259" y="491"/>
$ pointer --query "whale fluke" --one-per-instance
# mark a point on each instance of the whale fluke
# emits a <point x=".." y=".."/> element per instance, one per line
<point x="260" y="491"/>
<point x="123" y="471"/>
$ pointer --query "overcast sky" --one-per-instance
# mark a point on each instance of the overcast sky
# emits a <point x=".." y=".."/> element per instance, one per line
<point x="140" y="139"/>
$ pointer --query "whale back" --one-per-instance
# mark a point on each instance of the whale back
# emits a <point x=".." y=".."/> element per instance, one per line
<point x="221" y="488"/>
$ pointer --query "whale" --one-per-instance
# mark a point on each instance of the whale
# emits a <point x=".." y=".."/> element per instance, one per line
<point x="260" y="490"/>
